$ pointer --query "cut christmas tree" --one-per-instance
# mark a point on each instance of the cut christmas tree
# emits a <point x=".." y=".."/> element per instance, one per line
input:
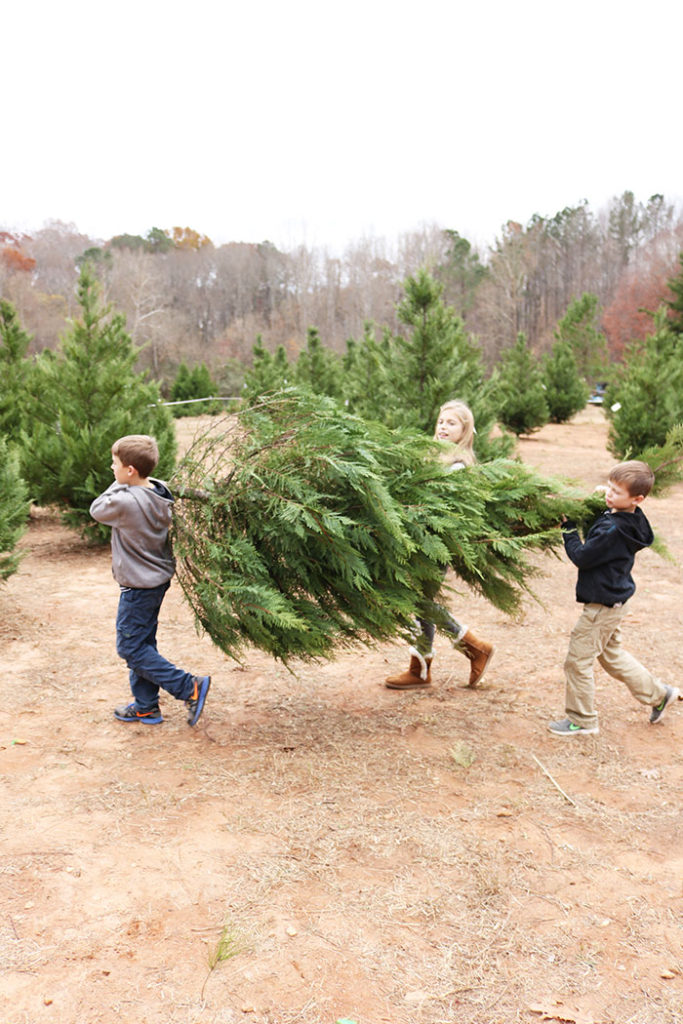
<point x="300" y="529"/>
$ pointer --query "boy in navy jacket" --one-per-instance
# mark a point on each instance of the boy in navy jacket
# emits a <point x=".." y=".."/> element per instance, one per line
<point x="604" y="586"/>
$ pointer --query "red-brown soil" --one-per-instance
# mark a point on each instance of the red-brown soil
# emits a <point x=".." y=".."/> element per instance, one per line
<point x="387" y="857"/>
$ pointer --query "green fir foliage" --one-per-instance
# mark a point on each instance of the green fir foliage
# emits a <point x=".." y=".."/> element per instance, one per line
<point x="434" y="360"/>
<point x="15" y="371"/>
<point x="300" y="529"/>
<point x="86" y="397"/>
<point x="522" y="406"/>
<point x="666" y="460"/>
<point x="645" y="400"/>
<point x="14" y="509"/>
<point x="268" y="372"/>
<point x="565" y="391"/>
<point x="180" y="389"/>
<point x="675" y="304"/>
<point x="318" y="368"/>
<point x="579" y="328"/>
<point x="188" y="386"/>
<point x="403" y="381"/>
<point x="366" y="385"/>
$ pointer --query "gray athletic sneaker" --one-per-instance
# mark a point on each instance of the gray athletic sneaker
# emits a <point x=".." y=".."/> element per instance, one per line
<point x="658" y="710"/>
<point x="567" y="728"/>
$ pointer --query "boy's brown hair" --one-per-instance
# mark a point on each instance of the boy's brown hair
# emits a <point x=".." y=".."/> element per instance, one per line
<point x="637" y="477"/>
<point x="138" y="450"/>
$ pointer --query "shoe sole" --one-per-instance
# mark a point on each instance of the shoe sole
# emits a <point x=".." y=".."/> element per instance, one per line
<point x="576" y="732"/>
<point x="142" y="719"/>
<point x="407" y="686"/>
<point x="201" y="701"/>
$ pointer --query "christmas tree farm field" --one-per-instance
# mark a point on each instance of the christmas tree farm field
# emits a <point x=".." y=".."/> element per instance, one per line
<point x="321" y="847"/>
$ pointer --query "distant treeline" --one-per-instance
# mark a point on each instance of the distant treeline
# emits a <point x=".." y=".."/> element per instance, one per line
<point x="189" y="301"/>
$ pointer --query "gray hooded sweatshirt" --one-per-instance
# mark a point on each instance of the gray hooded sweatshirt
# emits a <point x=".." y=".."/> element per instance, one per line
<point x="139" y="516"/>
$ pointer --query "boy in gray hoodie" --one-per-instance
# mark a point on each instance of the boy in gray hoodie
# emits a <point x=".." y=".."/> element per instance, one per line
<point x="138" y="509"/>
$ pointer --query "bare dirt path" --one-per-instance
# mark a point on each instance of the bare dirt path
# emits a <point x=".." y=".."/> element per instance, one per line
<point x="364" y="854"/>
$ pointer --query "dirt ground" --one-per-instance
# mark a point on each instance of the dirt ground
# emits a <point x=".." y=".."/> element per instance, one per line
<point x="323" y="848"/>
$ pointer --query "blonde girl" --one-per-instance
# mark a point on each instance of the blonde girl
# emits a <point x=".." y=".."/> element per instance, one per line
<point x="455" y="429"/>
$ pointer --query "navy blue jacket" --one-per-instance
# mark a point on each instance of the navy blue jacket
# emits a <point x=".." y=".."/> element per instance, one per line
<point x="606" y="558"/>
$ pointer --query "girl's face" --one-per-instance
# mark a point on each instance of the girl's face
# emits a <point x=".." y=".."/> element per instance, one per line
<point x="449" y="426"/>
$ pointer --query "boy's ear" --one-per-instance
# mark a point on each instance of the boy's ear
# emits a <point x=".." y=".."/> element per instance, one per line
<point x="638" y="498"/>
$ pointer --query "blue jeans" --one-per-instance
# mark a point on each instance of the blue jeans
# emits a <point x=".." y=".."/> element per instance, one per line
<point x="136" y="643"/>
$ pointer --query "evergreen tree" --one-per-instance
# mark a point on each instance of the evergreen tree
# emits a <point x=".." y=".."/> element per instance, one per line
<point x="666" y="460"/>
<point x="15" y="372"/>
<point x="434" y="362"/>
<point x="201" y="382"/>
<point x="189" y="385"/>
<point x="301" y="529"/>
<point x="180" y="389"/>
<point x="675" y="305"/>
<point x="565" y="392"/>
<point x="14" y="509"/>
<point x="461" y="271"/>
<point x="404" y="381"/>
<point x="267" y="373"/>
<point x="88" y="395"/>
<point x="646" y="399"/>
<point x="522" y="406"/>
<point x="318" y="368"/>
<point x="578" y="328"/>
<point x="366" y="387"/>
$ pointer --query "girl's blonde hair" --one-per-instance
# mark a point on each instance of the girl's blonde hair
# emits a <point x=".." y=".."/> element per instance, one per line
<point x="463" y="451"/>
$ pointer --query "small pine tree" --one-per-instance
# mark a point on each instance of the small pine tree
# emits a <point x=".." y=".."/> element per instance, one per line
<point x="15" y="372"/>
<point x="14" y="509"/>
<point x="201" y="382"/>
<point x="522" y="406"/>
<point x="366" y="390"/>
<point x="180" y="389"/>
<point x="646" y="398"/>
<point x="318" y="368"/>
<point x="666" y="460"/>
<point x="405" y="381"/>
<point x="565" y="392"/>
<point x="675" y="305"/>
<point x="190" y="385"/>
<point x="434" y="362"/>
<point x="88" y="395"/>
<point x="267" y="373"/>
<point x="579" y="328"/>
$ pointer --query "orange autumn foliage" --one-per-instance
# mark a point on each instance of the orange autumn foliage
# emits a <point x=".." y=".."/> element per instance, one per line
<point x="629" y="316"/>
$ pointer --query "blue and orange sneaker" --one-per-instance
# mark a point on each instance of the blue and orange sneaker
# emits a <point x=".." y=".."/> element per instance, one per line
<point x="195" y="702"/>
<point x="131" y="713"/>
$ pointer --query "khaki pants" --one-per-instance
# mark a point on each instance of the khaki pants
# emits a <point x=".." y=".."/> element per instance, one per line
<point x="597" y="635"/>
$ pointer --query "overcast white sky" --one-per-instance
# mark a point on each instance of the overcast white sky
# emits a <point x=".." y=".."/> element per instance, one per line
<point x="320" y="122"/>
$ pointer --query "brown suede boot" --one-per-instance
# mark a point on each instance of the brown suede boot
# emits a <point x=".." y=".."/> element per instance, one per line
<point x="418" y="674"/>
<point x="479" y="654"/>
